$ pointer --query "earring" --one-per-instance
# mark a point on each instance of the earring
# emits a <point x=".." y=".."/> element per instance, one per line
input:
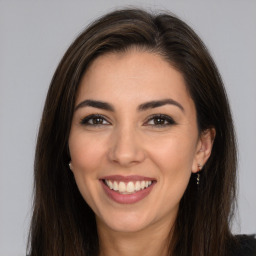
<point x="198" y="174"/>
<point x="198" y="179"/>
<point x="70" y="166"/>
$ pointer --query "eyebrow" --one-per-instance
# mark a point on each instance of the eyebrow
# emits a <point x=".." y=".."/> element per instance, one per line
<point x="159" y="103"/>
<point x="141" y="107"/>
<point x="95" y="104"/>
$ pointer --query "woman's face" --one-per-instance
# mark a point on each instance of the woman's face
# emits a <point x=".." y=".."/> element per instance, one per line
<point x="134" y="140"/>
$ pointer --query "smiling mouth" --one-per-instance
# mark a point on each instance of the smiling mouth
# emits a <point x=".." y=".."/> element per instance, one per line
<point x="127" y="187"/>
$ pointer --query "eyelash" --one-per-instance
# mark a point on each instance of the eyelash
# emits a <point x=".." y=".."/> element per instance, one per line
<point x="164" y="120"/>
<point x="87" y="119"/>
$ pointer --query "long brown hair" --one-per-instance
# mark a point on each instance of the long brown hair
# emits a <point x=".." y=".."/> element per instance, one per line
<point x="63" y="224"/>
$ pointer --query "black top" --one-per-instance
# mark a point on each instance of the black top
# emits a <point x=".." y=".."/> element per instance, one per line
<point x="246" y="246"/>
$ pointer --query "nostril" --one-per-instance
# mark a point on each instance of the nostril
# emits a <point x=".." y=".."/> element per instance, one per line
<point x="126" y="156"/>
<point x="125" y="147"/>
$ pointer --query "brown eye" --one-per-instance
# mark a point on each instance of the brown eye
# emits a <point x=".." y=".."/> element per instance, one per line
<point x="97" y="120"/>
<point x="160" y="121"/>
<point x="94" y="120"/>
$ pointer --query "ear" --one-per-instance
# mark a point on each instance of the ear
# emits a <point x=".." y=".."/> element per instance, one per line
<point x="204" y="149"/>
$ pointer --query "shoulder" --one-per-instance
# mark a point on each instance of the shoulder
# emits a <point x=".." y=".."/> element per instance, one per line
<point x="245" y="245"/>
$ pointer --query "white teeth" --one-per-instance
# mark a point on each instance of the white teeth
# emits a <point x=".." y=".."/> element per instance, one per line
<point x="130" y="187"/>
<point x="115" y="186"/>
<point x="142" y="184"/>
<point x="137" y="186"/>
<point x="110" y="184"/>
<point x="122" y="187"/>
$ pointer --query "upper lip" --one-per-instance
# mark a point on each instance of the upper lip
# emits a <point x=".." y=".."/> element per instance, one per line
<point x="127" y="178"/>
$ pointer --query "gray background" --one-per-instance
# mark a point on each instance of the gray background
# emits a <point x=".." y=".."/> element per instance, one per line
<point x="33" y="37"/>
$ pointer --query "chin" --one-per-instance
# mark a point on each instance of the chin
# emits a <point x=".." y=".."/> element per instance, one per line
<point x="124" y="223"/>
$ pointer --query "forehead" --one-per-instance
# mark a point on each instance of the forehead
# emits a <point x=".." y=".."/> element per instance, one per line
<point x="132" y="76"/>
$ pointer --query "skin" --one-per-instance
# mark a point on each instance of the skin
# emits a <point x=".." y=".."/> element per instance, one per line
<point x="127" y="141"/>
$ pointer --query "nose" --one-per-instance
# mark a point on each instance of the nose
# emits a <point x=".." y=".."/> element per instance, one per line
<point x="126" y="147"/>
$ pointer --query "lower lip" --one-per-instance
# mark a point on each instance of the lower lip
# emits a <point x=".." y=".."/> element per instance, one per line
<point x="127" y="198"/>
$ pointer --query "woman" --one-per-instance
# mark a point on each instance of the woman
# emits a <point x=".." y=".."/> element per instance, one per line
<point x="136" y="151"/>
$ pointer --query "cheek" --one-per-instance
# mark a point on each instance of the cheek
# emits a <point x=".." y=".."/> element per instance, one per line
<point x="174" y="157"/>
<point x="174" y="154"/>
<point x="175" y="161"/>
<point x="86" y="155"/>
<point x="86" y="152"/>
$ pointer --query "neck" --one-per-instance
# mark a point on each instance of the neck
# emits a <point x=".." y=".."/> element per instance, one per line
<point x="153" y="242"/>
